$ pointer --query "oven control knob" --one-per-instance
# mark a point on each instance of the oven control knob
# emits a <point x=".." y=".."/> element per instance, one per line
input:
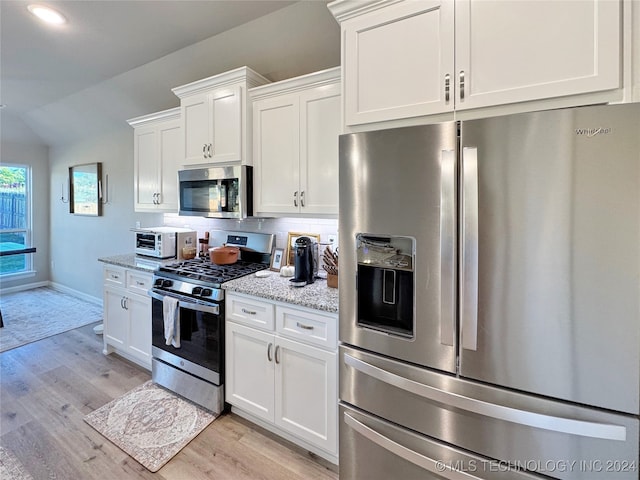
<point x="158" y="282"/>
<point x="167" y="283"/>
<point x="196" y="291"/>
<point x="206" y="292"/>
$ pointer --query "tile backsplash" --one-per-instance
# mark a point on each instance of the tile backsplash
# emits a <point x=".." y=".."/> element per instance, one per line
<point x="279" y="226"/>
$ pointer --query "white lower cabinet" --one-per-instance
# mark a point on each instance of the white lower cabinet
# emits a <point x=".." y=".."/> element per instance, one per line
<point x="291" y="385"/>
<point x="127" y="314"/>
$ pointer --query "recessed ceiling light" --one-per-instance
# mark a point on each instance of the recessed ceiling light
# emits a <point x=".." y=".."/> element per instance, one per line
<point x="47" y="14"/>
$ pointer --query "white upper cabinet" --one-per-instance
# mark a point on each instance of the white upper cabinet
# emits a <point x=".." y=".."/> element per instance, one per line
<point x="216" y="118"/>
<point x="396" y="60"/>
<point x="406" y="59"/>
<point x="508" y="52"/>
<point x="296" y="124"/>
<point x="157" y="145"/>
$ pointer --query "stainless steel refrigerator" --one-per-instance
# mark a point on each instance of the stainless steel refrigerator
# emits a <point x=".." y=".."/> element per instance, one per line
<point x="490" y="298"/>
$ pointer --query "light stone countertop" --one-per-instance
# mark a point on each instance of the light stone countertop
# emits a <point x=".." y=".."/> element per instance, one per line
<point x="274" y="287"/>
<point x="136" y="262"/>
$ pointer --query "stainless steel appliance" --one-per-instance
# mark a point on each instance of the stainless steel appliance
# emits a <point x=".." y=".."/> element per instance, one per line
<point x="490" y="298"/>
<point x="225" y="191"/>
<point x="195" y="368"/>
<point x="305" y="261"/>
<point x="163" y="242"/>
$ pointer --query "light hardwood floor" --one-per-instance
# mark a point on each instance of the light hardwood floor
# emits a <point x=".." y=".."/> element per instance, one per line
<point x="47" y="387"/>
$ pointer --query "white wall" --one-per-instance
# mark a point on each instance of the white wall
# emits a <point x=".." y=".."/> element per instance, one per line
<point x="91" y="127"/>
<point x="35" y="156"/>
<point x="78" y="241"/>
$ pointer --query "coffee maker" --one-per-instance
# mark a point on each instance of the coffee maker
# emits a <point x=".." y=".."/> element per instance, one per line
<point x="305" y="261"/>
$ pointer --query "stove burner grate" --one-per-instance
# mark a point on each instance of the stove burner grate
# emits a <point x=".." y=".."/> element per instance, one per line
<point x="204" y="270"/>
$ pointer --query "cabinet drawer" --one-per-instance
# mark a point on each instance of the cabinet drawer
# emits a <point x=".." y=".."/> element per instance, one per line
<point x="307" y="326"/>
<point x="138" y="282"/>
<point x="114" y="276"/>
<point x="250" y="312"/>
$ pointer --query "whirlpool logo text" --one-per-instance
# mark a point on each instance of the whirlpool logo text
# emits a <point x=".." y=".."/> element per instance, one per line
<point x="592" y="132"/>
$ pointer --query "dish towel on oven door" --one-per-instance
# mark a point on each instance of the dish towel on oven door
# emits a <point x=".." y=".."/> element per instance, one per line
<point x="171" y="321"/>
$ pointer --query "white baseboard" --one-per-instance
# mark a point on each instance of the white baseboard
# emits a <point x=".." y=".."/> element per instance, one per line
<point x="27" y="286"/>
<point x="75" y="293"/>
<point x="55" y="286"/>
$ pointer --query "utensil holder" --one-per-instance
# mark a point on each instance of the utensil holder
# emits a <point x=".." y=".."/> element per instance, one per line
<point x="332" y="280"/>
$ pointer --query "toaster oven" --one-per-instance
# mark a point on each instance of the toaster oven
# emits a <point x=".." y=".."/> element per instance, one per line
<point x="164" y="242"/>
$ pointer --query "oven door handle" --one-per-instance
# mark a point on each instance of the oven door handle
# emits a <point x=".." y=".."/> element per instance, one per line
<point x="213" y="309"/>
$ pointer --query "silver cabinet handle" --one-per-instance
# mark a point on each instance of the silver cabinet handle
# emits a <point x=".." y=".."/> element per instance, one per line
<point x="211" y="151"/>
<point x="204" y="150"/>
<point x="303" y="326"/>
<point x="122" y="303"/>
<point x="295" y="198"/>
<point x="138" y="282"/>
<point x="469" y="261"/>
<point x="248" y="312"/>
<point x="492" y="410"/>
<point x="447" y="246"/>
<point x="158" y="202"/>
<point x="302" y="198"/>
<point x="422" y="461"/>
<point x="461" y="84"/>
<point x="447" y="86"/>
<point x="115" y="277"/>
<point x="269" y="357"/>
<point x="278" y="354"/>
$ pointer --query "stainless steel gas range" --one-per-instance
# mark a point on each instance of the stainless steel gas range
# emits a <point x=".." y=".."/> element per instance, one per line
<point x="192" y="290"/>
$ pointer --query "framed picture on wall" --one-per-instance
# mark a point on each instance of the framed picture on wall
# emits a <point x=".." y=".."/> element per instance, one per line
<point x="276" y="259"/>
<point x="291" y="240"/>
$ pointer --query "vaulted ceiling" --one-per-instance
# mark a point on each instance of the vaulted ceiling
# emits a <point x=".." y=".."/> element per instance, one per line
<point x="42" y="65"/>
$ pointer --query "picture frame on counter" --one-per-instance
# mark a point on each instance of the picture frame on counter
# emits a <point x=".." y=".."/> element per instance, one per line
<point x="291" y="240"/>
<point x="276" y="259"/>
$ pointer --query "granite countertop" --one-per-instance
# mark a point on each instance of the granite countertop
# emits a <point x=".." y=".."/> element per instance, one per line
<point x="136" y="262"/>
<point x="274" y="287"/>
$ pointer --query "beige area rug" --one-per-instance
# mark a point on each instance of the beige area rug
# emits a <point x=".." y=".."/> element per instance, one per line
<point x="150" y="424"/>
<point x="11" y="468"/>
<point x="32" y="315"/>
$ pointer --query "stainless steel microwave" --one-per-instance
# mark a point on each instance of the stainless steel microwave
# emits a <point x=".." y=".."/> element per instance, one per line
<point x="216" y="192"/>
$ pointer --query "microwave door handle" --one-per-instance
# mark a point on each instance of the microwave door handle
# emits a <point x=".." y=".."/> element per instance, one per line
<point x="469" y="260"/>
<point x="447" y="246"/>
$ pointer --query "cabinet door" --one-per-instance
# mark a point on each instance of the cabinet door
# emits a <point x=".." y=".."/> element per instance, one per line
<point x="139" y="314"/>
<point x="306" y="393"/>
<point x="319" y="131"/>
<point x="276" y="154"/>
<point x="145" y="167"/>
<point x="516" y="51"/>
<point x="116" y="318"/>
<point x="396" y="60"/>
<point x="195" y="124"/>
<point x="249" y="370"/>
<point x="226" y="127"/>
<point x="170" y="144"/>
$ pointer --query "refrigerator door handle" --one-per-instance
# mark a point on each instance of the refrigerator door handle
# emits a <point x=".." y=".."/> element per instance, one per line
<point x="469" y="260"/>
<point x="434" y="466"/>
<point x="553" y="423"/>
<point x="447" y="246"/>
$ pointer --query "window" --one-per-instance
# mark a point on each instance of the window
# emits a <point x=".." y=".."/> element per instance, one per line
<point x="15" y="218"/>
